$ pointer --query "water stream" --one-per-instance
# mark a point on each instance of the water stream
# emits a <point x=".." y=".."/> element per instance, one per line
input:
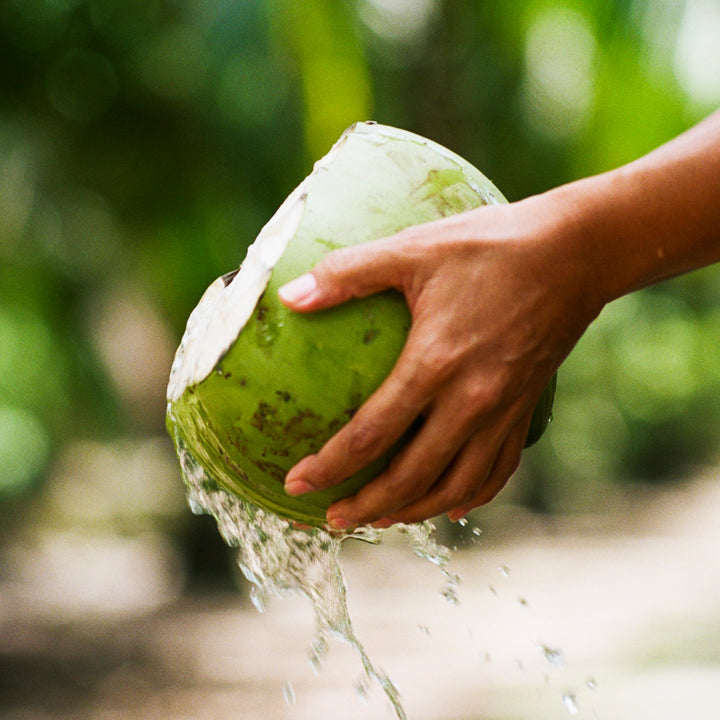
<point x="279" y="559"/>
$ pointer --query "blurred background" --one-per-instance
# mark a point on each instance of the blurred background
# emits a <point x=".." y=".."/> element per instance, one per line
<point x="144" y="143"/>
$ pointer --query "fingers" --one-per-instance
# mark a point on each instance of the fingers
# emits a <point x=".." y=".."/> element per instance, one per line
<point x="350" y="272"/>
<point x="461" y="457"/>
<point x="412" y="473"/>
<point x="506" y="463"/>
<point x="381" y="420"/>
<point x="378" y="424"/>
<point x="475" y="477"/>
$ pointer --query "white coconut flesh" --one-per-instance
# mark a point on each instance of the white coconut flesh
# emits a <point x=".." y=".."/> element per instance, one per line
<point x="224" y="307"/>
<point x="255" y="387"/>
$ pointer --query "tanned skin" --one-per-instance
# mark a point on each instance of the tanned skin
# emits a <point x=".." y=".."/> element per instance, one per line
<point x="499" y="296"/>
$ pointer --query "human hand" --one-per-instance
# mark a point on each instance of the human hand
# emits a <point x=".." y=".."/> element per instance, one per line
<point x="497" y="298"/>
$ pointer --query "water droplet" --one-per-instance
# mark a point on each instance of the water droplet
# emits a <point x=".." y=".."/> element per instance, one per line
<point x="476" y="531"/>
<point x="449" y="589"/>
<point x="424" y="630"/>
<point x="522" y="602"/>
<point x="289" y="693"/>
<point x="591" y="683"/>
<point x="569" y="700"/>
<point x="555" y="656"/>
<point x="504" y="571"/>
<point x="462" y="522"/>
<point x="424" y="545"/>
<point x="361" y="689"/>
<point x="316" y="655"/>
<point x="258" y="598"/>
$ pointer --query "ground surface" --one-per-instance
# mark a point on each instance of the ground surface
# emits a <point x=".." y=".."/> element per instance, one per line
<point x="616" y="620"/>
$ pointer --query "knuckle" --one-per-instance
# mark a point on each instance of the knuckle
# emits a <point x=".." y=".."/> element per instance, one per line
<point x="459" y="496"/>
<point x="334" y="274"/>
<point x="405" y="481"/>
<point x="403" y="488"/>
<point x="508" y="466"/>
<point x="366" y="440"/>
<point x="435" y="364"/>
<point x="482" y="395"/>
<point x="337" y="262"/>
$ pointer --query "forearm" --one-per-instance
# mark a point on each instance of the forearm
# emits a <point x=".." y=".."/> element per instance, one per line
<point x="649" y="220"/>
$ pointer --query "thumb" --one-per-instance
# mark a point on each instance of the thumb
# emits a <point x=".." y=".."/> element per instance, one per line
<point x="343" y="274"/>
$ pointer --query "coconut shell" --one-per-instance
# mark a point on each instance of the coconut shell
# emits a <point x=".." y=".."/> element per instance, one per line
<point x="256" y="387"/>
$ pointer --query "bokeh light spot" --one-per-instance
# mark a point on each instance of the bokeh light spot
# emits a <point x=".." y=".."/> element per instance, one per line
<point x="559" y="88"/>
<point x="82" y="85"/>
<point x="174" y="62"/>
<point x="24" y="449"/>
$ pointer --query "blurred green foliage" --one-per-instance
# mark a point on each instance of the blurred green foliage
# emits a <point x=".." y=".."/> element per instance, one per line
<point x="143" y="143"/>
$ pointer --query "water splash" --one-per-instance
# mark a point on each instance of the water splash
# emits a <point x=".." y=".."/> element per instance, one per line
<point x="424" y="545"/>
<point x="280" y="559"/>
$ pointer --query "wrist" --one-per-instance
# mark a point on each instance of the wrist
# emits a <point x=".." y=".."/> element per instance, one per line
<point x="595" y="222"/>
<point x="649" y="220"/>
<point x="570" y="257"/>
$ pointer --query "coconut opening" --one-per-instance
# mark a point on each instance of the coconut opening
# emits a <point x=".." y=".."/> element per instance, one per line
<point x="229" y="302"/>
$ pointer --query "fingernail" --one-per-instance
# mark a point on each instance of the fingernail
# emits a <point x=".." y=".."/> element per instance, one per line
<point x="337" y="522"/>
<point x="383" y="523"/>
<point x="297" y="487"/>
<point x="457" y="514"/>
<point x="298" y="289"/>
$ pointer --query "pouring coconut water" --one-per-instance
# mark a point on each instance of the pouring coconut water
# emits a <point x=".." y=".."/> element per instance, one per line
<point x="254" y="387"/>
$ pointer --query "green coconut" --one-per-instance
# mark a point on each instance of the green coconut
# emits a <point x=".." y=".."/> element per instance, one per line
<point x="255" y="387"/>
